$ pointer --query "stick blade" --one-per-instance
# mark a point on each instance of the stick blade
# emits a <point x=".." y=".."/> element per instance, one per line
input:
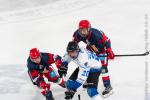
<point x="147" y="53"/>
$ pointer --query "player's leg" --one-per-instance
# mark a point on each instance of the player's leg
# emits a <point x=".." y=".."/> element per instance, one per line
<point x="74" y="75"/>
<point x="106" y="82"/>
<point x="45" y="89"/>
<point x="105" y="77"/>
<point x="92" y="84"/>
<point x="49" y="95"/>
<point x="70" y="93"/>
<point x="53" y="76"/>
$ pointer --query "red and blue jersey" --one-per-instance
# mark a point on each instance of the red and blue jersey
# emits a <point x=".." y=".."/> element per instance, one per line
<point x="95" y="37"/>
<point x="46" y="60"/>
<point x="35" y="70"/>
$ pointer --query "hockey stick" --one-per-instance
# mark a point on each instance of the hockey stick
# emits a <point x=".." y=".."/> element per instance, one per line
<point x="122" y="55"/>
<point x="79" y="97"/>
<point x="142" y="54"/>
<point x="127" y="55"/>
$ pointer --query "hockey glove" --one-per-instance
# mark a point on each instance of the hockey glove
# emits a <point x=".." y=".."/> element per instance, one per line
<point x="69" y="94"/>
<point x="44" y="86"/>
<point x="110" y="53"/>
<point x="63" y="69"/>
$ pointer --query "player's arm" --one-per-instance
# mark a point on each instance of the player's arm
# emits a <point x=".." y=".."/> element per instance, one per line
<point x="76" y="37"/>
<point x="61" y="65"/>
<point x="34" y="74"/>
<point x="107" y="43"/>
<point x="52" y="58"/>
<point x="101" y="38"/>
<point x="105" y="40"/>
<point x="64" y="65"/>
<point x="37" y="78"/>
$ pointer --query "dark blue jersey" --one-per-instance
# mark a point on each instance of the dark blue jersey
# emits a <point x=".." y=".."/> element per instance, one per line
<point x="95" y="37"/>
<point x="43" y="64"/>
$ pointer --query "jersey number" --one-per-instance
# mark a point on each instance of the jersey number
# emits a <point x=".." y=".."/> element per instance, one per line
<point x="85" y="73"/>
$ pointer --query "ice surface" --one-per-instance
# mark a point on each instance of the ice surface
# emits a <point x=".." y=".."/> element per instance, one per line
<point x="50" y="26"/>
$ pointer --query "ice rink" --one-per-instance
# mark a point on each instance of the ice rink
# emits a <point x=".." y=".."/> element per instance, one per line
<point x="49" y="25"/>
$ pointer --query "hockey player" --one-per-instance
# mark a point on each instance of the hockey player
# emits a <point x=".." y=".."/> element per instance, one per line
<point x="89" y="70"/>
<point x="39" y="66"/>
<point x="99" y="43"/>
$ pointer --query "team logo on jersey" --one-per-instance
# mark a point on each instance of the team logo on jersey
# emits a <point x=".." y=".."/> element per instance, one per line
<point x="93" y="56"/>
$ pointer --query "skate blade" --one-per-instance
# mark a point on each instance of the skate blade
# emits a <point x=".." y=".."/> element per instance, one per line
<point x="107" y="95"/>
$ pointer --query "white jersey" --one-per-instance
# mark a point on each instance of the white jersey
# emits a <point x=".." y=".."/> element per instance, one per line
<point x="86" y="61"/>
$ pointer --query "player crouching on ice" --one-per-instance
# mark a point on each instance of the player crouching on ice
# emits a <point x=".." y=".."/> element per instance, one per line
<point x="88" y="71"/>
<point x="39" y="66"/>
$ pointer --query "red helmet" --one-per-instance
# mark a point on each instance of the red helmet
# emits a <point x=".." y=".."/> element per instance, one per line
<point x="34" y="53"/>
<point x="84" y="24"/>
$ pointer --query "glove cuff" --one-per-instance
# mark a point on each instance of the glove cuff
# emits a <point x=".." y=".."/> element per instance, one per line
<point x="108" y="49"/>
